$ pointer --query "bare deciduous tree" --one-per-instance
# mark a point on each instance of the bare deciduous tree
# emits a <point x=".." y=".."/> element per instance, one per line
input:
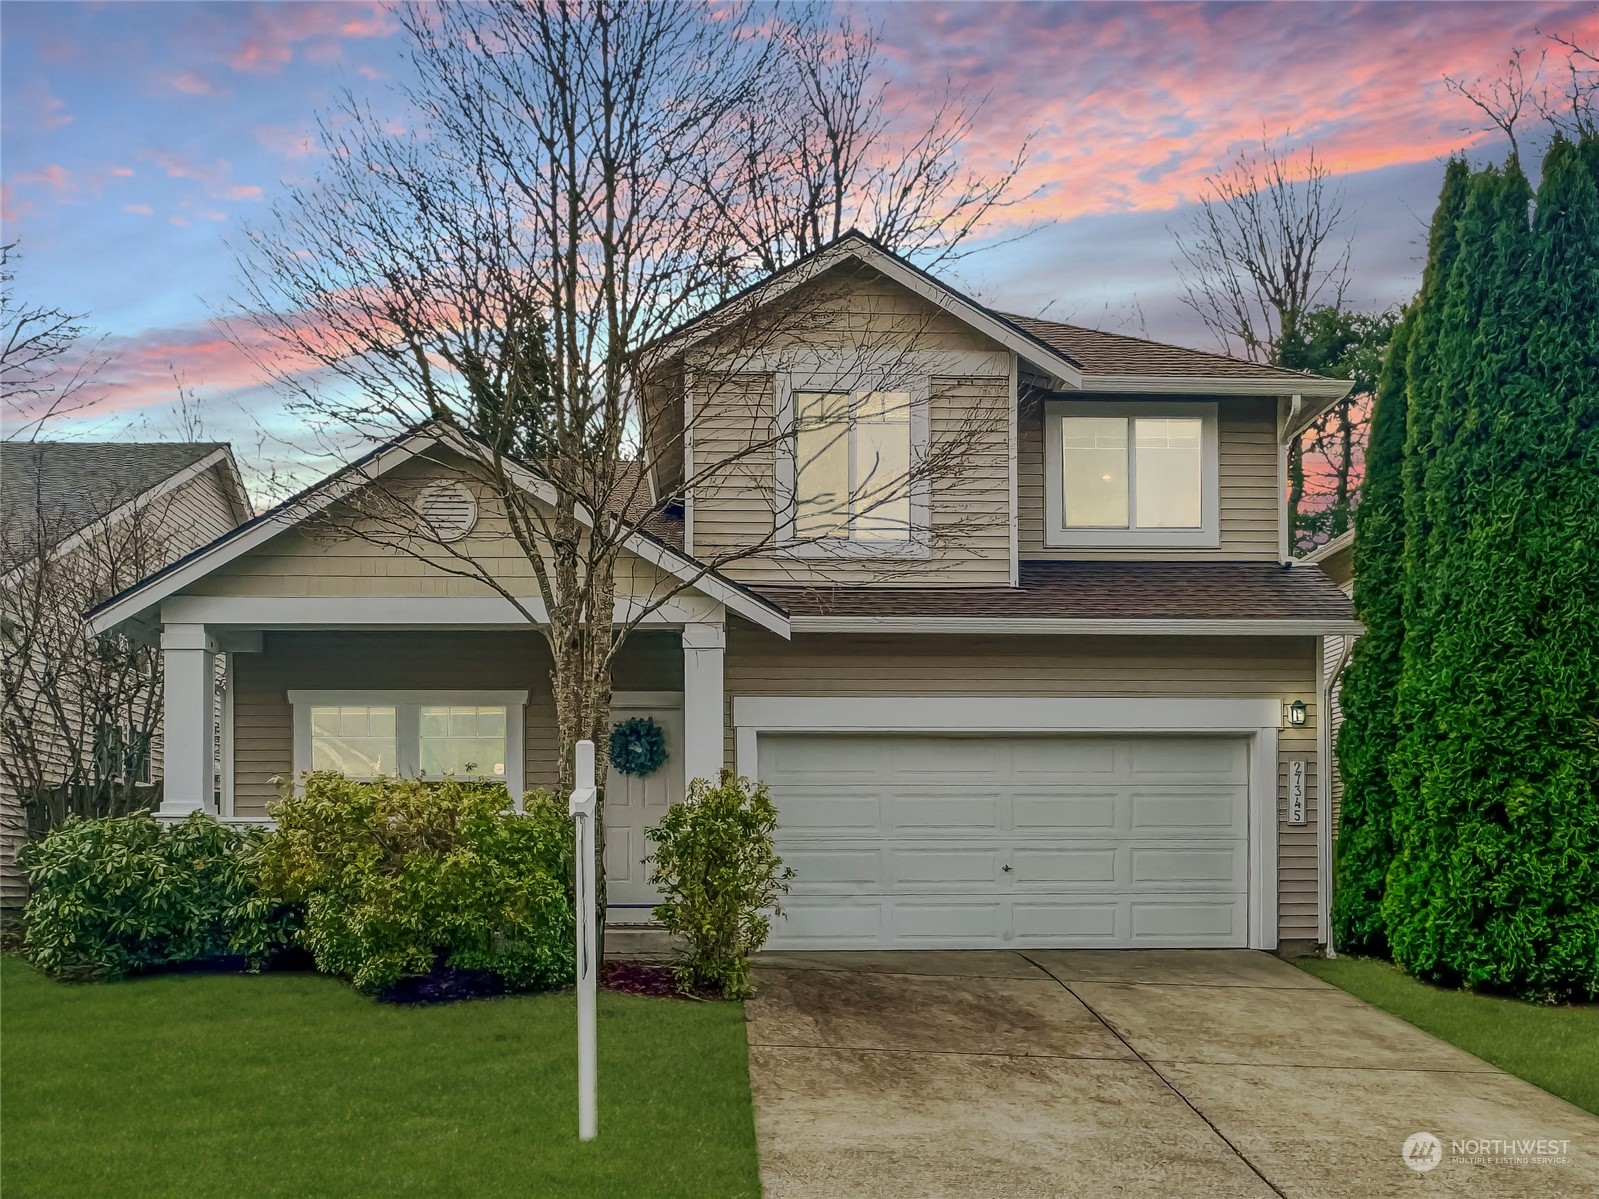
<point x="1268" y="244"/>
<point x="45" y="368"/>
<point x="573" y="182"/>
<point x="1269" y="247"/>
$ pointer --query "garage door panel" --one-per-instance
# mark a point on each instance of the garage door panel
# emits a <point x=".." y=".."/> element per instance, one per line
<point x="1223" y="867"/>
<point x="1189" y="757"/>
<point x="1194" y="809"/>
<point x="979" y="923"/>
<point x="816" y="811"/>
<point x="1065" y="808"/>
<point x="1212" y="922"/>
<point x="913" y="867"/>
<point x="823" y="867"/>
<point x="1087" y="920"/>
<point x="1037" y="865"/>
<point x="940" y="757"/>
<point x="1111" y="840"/>
<point x="831" y="923"/>
<point x="1060" y="757"/>
<point x="910" y="814"/>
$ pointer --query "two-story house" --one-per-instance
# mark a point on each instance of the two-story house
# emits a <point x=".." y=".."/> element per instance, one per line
<point x="79" y="520"/>
<point x="1001" y="610"/>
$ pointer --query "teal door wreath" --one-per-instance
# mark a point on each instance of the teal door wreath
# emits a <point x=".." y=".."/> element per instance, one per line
<point x="638" y="746"/>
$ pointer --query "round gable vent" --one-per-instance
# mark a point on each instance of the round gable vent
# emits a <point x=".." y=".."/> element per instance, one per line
<point x="449" y="510"/>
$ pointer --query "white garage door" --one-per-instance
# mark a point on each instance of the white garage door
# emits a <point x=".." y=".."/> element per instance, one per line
<point x="904" y="841"/>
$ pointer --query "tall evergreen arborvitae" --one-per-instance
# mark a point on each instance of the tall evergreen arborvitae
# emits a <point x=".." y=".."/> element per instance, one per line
<point x="1365" y="844"/>
<point x="1367" y="737"/>
<point x="1495" y="878"/>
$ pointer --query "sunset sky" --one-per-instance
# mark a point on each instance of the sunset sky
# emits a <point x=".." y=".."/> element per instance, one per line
<point x="137" y="138"/>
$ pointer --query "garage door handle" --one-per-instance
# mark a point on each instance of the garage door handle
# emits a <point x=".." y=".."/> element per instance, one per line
<point x="1006" y="869"/>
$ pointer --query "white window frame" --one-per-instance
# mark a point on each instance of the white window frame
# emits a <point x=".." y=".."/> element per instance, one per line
<point x="1207" y="536"/>
<point x="853" y="380"/>
<point x="408" y="707"/>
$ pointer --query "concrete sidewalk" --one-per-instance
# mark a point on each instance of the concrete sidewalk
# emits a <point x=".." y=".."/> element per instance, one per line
<point x="1191" y="1073"/>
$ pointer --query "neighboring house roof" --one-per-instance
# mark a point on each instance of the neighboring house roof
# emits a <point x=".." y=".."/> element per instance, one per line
<point x="1187" y="596"/>
<point x="146" y="594"/>
<point x="1337" y="558"/>
<point x="72" y="484"/>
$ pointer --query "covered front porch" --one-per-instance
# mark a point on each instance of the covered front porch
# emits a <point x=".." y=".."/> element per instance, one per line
<point x="260" y="691"/>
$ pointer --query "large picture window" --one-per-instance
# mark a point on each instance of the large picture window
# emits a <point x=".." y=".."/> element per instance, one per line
<point x="1131" y="474"/>
<point x="425" y="734"/>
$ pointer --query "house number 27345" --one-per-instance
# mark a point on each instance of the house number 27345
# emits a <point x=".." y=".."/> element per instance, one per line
<point x="1296" y="791"/>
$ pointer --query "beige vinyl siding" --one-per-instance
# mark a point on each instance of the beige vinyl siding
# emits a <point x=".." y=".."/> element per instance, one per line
<point x="1247" y="441"/>
<point x="759" y="663"/>
<point x="346" y="553"/>
<point x="263" y="720"/>
<point x="734" y="419"/>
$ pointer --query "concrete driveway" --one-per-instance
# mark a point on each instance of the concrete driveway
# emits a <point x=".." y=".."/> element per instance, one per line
<point x="1183" y="1073"/>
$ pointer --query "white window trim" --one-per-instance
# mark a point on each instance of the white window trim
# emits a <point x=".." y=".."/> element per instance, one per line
<point x="1257" y="719"/>
<point x="407" y="707"/>
<point x="1207" y="536"/>
<point x="854" y="378"/>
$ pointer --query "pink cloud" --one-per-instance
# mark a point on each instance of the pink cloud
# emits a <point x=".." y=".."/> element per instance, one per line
<point x="284" y="142"/>
<point x="213" y="176"/>
<point x="192" y="83"/>
<point x="276" y="33"/>
<point x="1134" y="105"/>
<point x="139" y="209"/>
<point x="53" y="175"/>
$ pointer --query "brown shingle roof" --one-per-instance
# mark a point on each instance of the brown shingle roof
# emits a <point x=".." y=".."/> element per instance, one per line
<point x="1101" y="353"/>
<point x="1098" y="591"/>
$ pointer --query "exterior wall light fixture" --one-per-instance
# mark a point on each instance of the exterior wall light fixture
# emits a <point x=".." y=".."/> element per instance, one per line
<point x="1295" y="712"/>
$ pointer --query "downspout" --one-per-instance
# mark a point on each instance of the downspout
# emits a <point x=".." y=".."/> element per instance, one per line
<point x="1324" y="846"/>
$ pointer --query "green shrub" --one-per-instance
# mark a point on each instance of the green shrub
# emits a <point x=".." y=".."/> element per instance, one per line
<point x="119" y="894"/>
<point x="719" y="877"/>
<point x="398" y="876"/>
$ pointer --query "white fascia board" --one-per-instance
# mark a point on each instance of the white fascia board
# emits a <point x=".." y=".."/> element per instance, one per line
<point x="1112" y="714"/>
<point x="126" y="509"/>
<point x="244" y="540"/>
<point x="1328" y="548"/>
<point x="1044" y="625"/>
<point x="355" y="612"/>
<point x="1061" y="370"/>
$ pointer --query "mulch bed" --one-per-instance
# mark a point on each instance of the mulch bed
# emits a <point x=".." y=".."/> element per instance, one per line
<point x="639" y="978"/>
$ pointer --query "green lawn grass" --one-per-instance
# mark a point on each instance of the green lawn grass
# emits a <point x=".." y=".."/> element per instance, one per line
<point x="294" y="1085"/>
<point x="1556" y="1048"/>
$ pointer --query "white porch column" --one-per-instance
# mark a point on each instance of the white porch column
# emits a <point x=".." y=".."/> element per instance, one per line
<point x="188" y="658"/>
<point x="704" y="646"/>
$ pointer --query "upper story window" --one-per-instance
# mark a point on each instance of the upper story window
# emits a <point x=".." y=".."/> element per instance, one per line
<point x="1131" y="475"/>
<point x="849" y="483"/>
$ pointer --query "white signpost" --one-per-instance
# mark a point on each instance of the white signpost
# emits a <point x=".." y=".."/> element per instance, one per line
<point x="581" y="809"/>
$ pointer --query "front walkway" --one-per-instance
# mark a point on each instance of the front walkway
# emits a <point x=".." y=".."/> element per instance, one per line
<point x="1193" y="1073"/>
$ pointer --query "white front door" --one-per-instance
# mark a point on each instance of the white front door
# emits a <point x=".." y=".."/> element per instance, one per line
<point x="922" y="841"/>
<point x="634" y="804"/>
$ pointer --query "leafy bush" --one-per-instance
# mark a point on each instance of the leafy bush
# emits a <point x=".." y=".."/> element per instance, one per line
<point x="399" y="876"/>
<point x="719" y="876"/>
<point x="119" y="894"/>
